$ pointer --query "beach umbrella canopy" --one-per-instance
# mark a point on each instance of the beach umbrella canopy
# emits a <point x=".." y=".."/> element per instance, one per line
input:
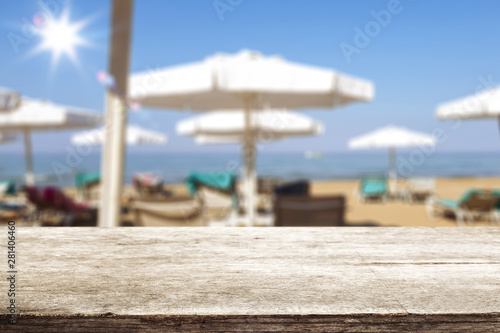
<point x="248" y="81"/>
<point x="135" y="135"/>
<point x="232" y="139"/>
<point x="35" y="115"/>
<point x="391" y="137"/>
<point x="229" y="128"/>
<point x="266" y="125"/>
<point x="9" y="99"/>
<point x="485" y="104"/>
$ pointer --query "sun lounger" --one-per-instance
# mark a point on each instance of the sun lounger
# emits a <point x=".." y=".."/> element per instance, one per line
<point x="88" y="187"/>
<point x="12" y="202"/>
<point x="7" y="188"/>
<point x="293" y="188"/>
<point x="372" y="187"/>
<point x="475" y="203"/>
<point x="265" y="193"/>
<point x="419" y="189"/>
<point x="51" y="203"/>
<point x="268" y="188"/>
<point x="267" y="185"/>
<point x="168" y="212"/>
<point x="217" y="191"/>
<point x="307" y="211"/>
<point x="218" y="204"/>
<point x="147" y="184"/>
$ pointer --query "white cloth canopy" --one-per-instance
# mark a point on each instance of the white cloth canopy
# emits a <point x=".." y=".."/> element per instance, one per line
<point x="265" y="125"/>
<point x="232" y="139"/>
<point x="485" y="104"/>
<point x="9" y="99"/>
<point x="225" y="82"/>
<point x="391" y="137"/>
<point x="248" y="81"/>
<point x="135" y="135"/>
<point x="36" y="115"/>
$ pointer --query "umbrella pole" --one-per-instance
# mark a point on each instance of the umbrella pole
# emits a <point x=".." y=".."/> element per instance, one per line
<point x="30" y="176"/>
<point x="393" y="175"/>
<point x="392" y="163"/>
<point x="116" y="115"/>
<point x="249" y="181"/>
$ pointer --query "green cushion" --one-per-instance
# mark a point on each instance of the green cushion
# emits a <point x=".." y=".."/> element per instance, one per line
<point x="468" y="194"/>
<point x="223" y="181"/>
<point x="373" y="186"/>
<point x="9" y="186"/>
<point x="87" y="178"/>
<point x="452" y="204"/>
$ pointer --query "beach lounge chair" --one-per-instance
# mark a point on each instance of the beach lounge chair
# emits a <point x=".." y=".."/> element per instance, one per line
<point x="52" y="203"/>
<point x="419" y="189"/>
<point x="295" y="188"/>
<point x="307" y="211"/>
<point x="12" y="204"/>
<point x="267" y="185"/>
<point x="475" y="203"/>
<point x="168" y="212"/>
<point x="372" y="187"/>
<point x="7" y="188"/>
<point x="88" y="185"/>
<point x="147" y="184"/>
<point x="265" y="193"/>
<point x="218" y="204"/>
<point x="217" y="191"/>
<point x="39" y="209"/>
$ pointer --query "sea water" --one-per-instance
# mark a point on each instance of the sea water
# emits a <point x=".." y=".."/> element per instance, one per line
<point x="58" y="170"/>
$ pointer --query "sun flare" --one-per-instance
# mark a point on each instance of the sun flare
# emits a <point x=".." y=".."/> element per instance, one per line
<point x="61" y="37"/>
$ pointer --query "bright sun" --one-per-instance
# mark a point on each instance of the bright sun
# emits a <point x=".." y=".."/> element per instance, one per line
<point x="61" y="37"/>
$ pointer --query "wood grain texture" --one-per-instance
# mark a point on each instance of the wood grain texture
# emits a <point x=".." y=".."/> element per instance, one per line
<point x="267" y="323"/>
<point x="244" y="278"/>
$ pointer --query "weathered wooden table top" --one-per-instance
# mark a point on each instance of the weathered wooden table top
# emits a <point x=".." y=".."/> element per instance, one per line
<point x="254" y="273"/>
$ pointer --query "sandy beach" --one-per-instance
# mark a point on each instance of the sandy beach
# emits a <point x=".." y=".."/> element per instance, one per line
<point x="393" y="213"/>
<point x="398" y="213"/>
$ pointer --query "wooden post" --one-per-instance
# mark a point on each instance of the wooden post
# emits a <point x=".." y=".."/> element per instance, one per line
<point x="28" y="153"/>
<point x="113" y="158"/>
<point x="249" y="172"/>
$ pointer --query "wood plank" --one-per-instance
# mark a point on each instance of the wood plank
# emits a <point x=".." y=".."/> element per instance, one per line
<point x="232" y="277"/>
<point x="267" y="323"/>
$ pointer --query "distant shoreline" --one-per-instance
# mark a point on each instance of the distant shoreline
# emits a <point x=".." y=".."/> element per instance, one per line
<point x="59" y="169"/>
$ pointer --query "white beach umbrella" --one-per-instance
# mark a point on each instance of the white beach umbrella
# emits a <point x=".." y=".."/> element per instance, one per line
<point x="247" y="81"/>
<point x="485" y="104"/>
<point x="232" y="139"/>
<point x="9" y="99"/>
<point x="35" y="115"/>
<point x="265" y="126"/>
<point x="134" y="135"/>
<point x="391" y="137"/>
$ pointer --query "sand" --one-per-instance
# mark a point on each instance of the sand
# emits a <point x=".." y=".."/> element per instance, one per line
<point x="391" y="213"/>
<point x="394" y="213"/>
<point x="398" y="213"/>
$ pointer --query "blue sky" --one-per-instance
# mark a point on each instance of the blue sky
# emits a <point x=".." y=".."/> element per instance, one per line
<point x="429" y="52"/>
